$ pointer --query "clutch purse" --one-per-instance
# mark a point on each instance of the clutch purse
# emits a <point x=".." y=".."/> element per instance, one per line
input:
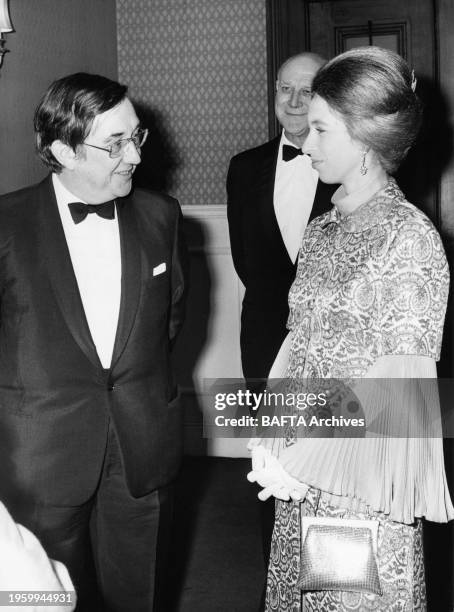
<point x="339" y="555"/>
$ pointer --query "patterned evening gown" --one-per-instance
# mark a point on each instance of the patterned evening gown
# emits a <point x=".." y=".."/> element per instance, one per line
<point x="370" y="284"/>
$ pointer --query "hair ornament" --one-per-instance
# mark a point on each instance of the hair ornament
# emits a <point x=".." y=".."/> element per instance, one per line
<point x="414" y="80"/>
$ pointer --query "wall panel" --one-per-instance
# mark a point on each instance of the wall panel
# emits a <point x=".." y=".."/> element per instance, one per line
<point x="209" y="345"/>
<point x="198" y="69"/>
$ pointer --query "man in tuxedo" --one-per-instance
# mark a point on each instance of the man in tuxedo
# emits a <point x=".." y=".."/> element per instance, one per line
<point x="92" y="280"/>
<point x="272" y="193"/>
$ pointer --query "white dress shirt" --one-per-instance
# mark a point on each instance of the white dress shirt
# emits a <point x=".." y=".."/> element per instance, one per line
<point x="294" y="191"/>
<point x="94" y="247"/>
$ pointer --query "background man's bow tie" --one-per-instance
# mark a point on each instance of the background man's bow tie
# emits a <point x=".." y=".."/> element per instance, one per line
<point x="79" y="210"/>
<point x="289" y="152"/>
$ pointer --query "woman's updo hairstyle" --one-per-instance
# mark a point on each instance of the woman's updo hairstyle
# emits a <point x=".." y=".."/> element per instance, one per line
<point x="373" y="91"/>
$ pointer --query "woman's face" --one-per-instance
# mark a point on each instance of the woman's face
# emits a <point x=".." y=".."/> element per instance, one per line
<point x="334" y="154"/>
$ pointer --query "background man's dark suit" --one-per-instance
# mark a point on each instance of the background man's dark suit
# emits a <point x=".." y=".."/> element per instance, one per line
<point x="259" y="254"/>
<point x="56" y="400"/>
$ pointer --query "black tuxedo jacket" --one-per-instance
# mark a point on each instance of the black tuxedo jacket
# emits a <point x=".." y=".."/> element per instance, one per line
<point x="55" y="397"/>
<point x="259" y="253"/>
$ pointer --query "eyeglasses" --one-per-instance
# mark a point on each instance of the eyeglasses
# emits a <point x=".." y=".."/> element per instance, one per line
<point x="117" y="148"/>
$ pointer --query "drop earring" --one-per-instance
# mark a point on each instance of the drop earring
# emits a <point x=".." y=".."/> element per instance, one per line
<point x="363" y="168"/>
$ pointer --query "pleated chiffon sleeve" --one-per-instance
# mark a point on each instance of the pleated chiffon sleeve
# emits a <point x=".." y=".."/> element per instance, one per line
<point x="397" y="469"/>
<point x="367" y="307"/>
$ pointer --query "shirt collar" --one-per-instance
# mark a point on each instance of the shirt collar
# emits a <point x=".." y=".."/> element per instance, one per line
<point x="286" y="141"/>
<point x="63" y="195"/>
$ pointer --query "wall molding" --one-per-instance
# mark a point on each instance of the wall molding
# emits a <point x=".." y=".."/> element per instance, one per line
<point x="214" y="311"/>
<point x="204" y="210"/>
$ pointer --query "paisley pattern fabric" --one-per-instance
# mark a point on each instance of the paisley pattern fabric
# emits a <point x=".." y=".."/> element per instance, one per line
<point x="400" y="564"/>
<point x="370" y="284"/>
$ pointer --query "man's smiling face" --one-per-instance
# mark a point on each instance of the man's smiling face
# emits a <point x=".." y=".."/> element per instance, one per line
<point x="96" y="177"/>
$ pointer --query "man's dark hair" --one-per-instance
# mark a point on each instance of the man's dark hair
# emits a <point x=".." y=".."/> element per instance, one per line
<point x="68" y="109"/>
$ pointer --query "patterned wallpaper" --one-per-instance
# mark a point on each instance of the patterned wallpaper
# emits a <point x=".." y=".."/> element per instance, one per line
<point x="197" y="70"/>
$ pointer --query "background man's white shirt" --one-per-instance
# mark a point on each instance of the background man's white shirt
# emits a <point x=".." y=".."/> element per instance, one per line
<point x="294" y="191"/>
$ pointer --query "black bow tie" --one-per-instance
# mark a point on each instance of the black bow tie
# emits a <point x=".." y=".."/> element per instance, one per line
<point x="79" y="210"/>
<point x="289" y="152"/>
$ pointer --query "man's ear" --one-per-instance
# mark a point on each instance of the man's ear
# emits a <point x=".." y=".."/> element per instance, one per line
<point x="64" y="154"/>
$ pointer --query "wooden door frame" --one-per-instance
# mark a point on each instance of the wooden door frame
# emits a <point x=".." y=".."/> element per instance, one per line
<point x="444" y="70"/>
<point x="281" y="43"/>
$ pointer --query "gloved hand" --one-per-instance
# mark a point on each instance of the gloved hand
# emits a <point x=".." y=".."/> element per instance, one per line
<point x="269" y="474"/>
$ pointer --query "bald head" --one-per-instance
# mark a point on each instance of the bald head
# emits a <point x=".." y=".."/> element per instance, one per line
<point x="293" y="94"/>
<point x="307" y="62"/>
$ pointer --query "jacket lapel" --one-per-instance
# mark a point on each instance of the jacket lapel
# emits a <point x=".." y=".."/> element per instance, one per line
<point x="131" y="275"/>
<point x="322" y="198"/>
<point x="60" y="270"/>
<point x="266" y="185"/>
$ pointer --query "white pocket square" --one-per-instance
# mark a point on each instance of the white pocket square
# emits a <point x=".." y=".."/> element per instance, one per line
<point x="159" y="269"/>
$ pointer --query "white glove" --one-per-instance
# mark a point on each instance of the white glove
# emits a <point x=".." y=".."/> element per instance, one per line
<point x="24" y="565"/>
<point x="269" y="474"/>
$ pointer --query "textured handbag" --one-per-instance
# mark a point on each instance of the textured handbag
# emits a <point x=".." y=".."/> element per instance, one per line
<point x="339" y="555"/>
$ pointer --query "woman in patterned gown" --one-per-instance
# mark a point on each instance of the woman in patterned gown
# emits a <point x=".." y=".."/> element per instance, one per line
<point x="368" y="301"/>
